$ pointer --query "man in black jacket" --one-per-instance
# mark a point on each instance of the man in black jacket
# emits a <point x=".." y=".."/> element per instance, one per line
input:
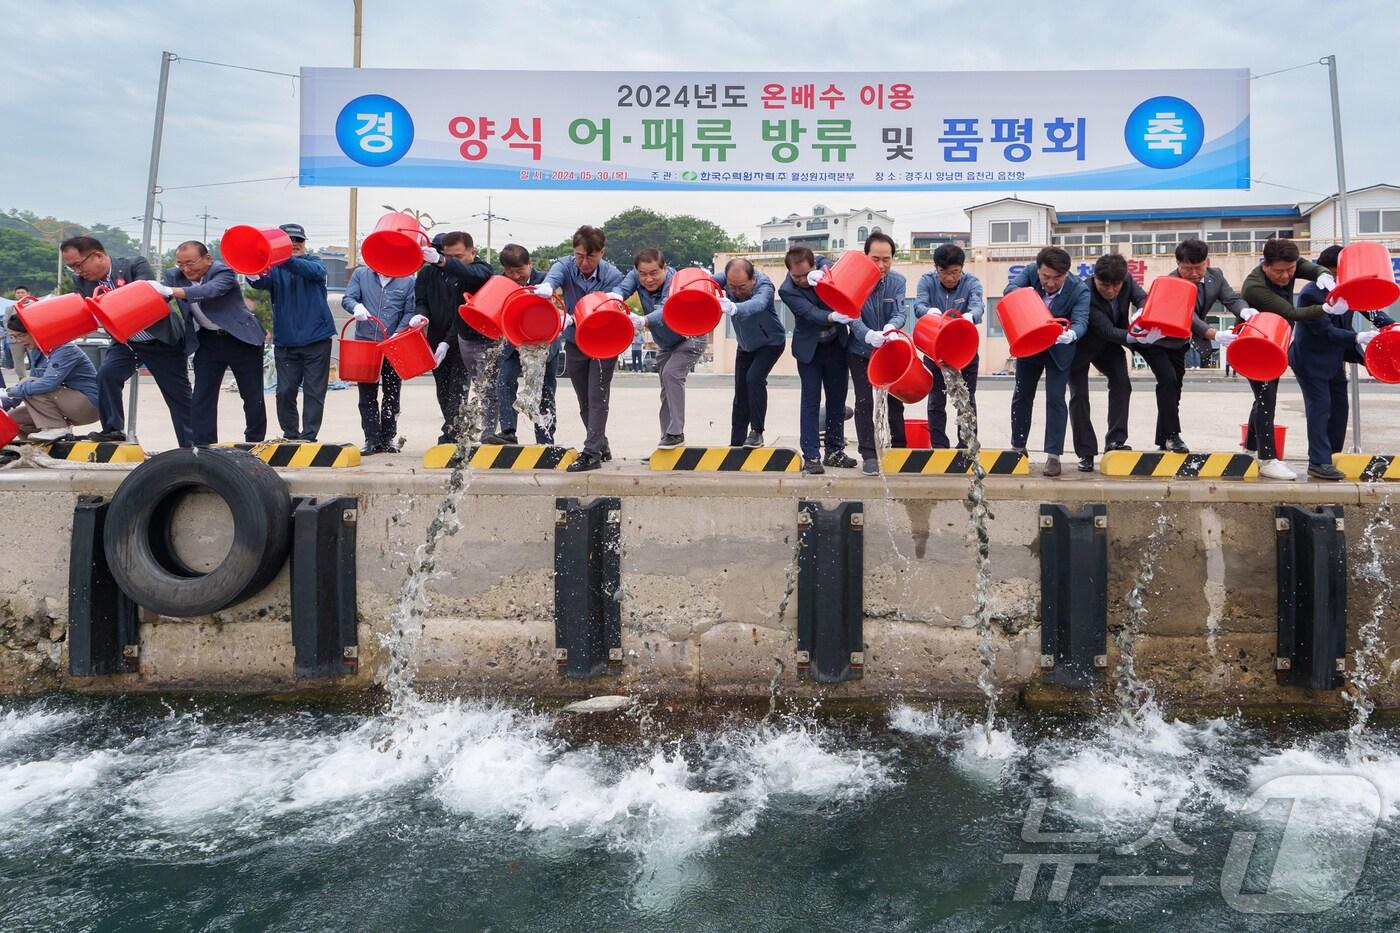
<point x="450" y="272"/>
<point x="160" y="347"/>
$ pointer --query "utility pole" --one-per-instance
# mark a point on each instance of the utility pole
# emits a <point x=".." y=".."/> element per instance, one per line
<point x="151" y="185"/>
<point x="355" y="192"/>
<point x="1331" y="61"/>
<point x="156" y="257"/>
<point x="490" y="216"/>
<point x="206" y="217"/>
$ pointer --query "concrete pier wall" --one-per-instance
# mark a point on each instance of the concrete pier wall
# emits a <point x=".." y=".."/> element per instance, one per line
<point x="705" y="561"/>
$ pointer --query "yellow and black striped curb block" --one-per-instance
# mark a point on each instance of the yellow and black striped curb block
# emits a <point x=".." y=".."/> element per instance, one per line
<point x="1157" y="465"/>
<point x="1368" y="467"/>
<point x="301" y="455"/>
<point x="727" y="460"/>
<point x="94" y="452"/>
<point x="503" y="457"/>
<point x="947" y="461"/>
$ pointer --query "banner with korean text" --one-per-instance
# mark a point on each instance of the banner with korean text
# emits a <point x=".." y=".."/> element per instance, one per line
<point x="726" y="131"/>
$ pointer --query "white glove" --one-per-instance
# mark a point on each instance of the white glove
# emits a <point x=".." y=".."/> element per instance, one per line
<point x="360" y="314"/>
<point x="1133" y="317"/>
<point x="615" y="296"/>
<point x="1336" y="306"/>
<point x="418" y="320"/>
<point x="1247" y="313"/>
<point x="1225" y="338"/>
<point x="874" y="338"/>
<point x="1150" y="336"/>
<point x="836" y="317"/>
<point x="431" y="256"/>
<point x="165" y="290"/>
<point x="1326" y="282"/>
<point x="544" y="290"/>
<point x="568" y="321"/>
<point x="5" y="396"/>
<point x="639" y="322"/>
<point x="1067" y="337"/>
<point x="935" y="312"/>
<point x="726" y="306"/>
<point x="1367" y="337"/>
<point x="890" y="329"/>
<point x="815" y="276"/>
<point x="439" y="354"/>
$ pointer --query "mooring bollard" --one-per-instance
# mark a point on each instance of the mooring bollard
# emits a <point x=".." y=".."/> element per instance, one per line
<point x="1073" y="594"/>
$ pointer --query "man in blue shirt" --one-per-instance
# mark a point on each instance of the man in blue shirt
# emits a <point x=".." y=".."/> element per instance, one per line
<point x="882" y="313"/>
<point x="59" y="394"/>
<point x="761" y="336"/>
<point x="222" y="334"/>
<point x="577" y="275"/>
<point x="516" y="266"/>
<point x="1067" y="299"/>
<point x="944" y="289"/>
<point x="302" y="328"/>
<point x="819" y="346"/>
<point x="391" y="300"/>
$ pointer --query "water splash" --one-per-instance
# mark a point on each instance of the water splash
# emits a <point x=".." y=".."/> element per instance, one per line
<point x="1135" y="699"/>
<point x="534" y="364"/>
<point x="779" y="665"/>
<point x="1374" y="542"/>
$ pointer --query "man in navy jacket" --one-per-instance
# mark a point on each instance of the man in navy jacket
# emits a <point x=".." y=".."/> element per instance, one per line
<point x="222" y="334"/>
<point x="882" y="313"/>
<point x="761" y="336"/>
<point x="517" y="266"/>
<point x="1067" y="299"/>
<point x="819" y="345"/>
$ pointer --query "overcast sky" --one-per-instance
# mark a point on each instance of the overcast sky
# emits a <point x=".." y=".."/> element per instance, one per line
<point x="80" y="78"/>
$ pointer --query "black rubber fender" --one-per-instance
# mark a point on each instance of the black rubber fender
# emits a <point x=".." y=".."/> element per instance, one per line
<point x="137" y="532"/>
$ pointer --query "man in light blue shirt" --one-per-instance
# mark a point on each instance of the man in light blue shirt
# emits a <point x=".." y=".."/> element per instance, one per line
<point x="947" y="289"/>
<point x="391" y="300"/>
<point x="60" y="392"/>
<point x="882" y="313"/>
<point x="761" y="337"/>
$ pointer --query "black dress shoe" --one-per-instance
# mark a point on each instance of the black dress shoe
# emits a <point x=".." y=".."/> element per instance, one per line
<point x="1116" y="447"/>
<point x="813" y="467"/>
<point x="839" y="458"/>
<point x="107" y="437"/>
<point x="585" y="461"/>
<point x="671" y="441"/>
<point x="503" y="438"/>
<point x="1086" y="464"/>
<point x="389" y="448"/>
<point x="607" y="456"/>
<point x="1325" y="471"/>
<point x="370" y="450"/>
<point x="1175" y="445"/>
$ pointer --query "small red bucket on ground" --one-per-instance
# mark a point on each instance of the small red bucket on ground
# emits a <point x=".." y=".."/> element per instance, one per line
<point x="1366" y="278"/>
<point x="1280" y="435"/>
<point x="127" y="310"/>
<point x="896" y="366"/>
<point x="254" y="250"/>
<point x="692" y="305"/>
<point x="1030" y="328"/>
<point x="1383" y="354"/>
<point x="948" y="338"/>
<point x="408" y="352"/>
<point x="603" y="327"/>
<point x="8" y="429"/>
<point x="916" y="433"/>
<point x="361" y="360"/>
<point x="1260" y="352"/>
<point x="395" y="248"/>
<point x="1171" y="303"/>
<point x="848" y="283"/>
<point x="484" y="309"/>
<point x="56" y="321"/>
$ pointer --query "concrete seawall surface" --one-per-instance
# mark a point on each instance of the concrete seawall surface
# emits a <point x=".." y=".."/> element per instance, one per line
<point x="706" y="560"/>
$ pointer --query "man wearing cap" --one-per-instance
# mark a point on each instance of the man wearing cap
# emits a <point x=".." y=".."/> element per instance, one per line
<point x="60" y="392"/>
<point x="302" y="328"/>
<point x="222" y="334"/>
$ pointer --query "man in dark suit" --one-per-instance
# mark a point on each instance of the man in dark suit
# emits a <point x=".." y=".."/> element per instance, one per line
<point x="1067" y="299"/>
<point x="222" y="334"/>
<point x="516" y="266"/>
<point x="819" y="343"/>
<point x="160" y="347"/>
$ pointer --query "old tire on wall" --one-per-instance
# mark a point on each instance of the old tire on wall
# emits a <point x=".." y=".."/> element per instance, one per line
<point x="137" y="536"/>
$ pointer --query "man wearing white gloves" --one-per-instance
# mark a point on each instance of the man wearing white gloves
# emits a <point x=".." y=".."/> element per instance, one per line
<point x="819" y="340"/>
<point x="1067" y="299"/>
<point x="882" y="313"/>
<point x="382" y="305"/>
<point x="1113" y="295"/>
<point x="943" y="290"/>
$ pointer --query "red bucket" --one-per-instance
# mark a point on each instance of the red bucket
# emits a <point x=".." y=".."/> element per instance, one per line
<point x="8" y="429"/>
<point x="896" y="366"/>
<point x="916" y="433"/>
<point x="1280" y="435"/>
<point x="1029" y="326"/>
<point x="1365" y="277"/>
<point x="848" y="283"/>
<point x="603" y="327"/>
<point x="484" y="309"/>
<point x="1383" y="354"/>
<point x="949" y="338"/>
<point x="692" y="305"/>
<point x="254" y="250"/>
<point x="361" y="360"/>
<point x="395" y="248"/>
<point x="1261" y="354"/>
<point x="408" y="352"/>
<point x="1171" y="303"/>
<point x="127" y="310"/>
<point x="56" y="321"/>
<point x="529" y="320"/>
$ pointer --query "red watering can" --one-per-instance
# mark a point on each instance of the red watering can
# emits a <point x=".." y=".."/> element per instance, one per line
<point x="848" y="283"/>
<point x="408" y="352"/>
<point x="603" y="326"/>
<point x="949" y="338"/>
<point x="395" y="248"/>
<point x="361" y="360"/>
<point x="254" y="250"/>
<point x="897" y="367"/>
<point x="1262" y="353"/>
<point x="127" y="310"/>
<point x="56" y="321"/>
<point x="692" y="305"/>
<point x="1029" y="325"/>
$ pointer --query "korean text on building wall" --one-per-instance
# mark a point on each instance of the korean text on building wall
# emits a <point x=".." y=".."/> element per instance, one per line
<point x="913" y="131"/>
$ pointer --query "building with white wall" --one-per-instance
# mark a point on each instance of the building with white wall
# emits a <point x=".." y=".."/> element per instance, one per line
<point x="823" y="229"/>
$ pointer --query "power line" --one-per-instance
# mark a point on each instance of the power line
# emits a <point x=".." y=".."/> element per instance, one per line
<point x="284" y="74"/>
<point x="1269" y="74"/>
<point x="218" y="184"/>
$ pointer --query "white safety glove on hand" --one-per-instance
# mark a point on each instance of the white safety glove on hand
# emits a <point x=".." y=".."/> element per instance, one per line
<point x="1367" y="337"/>
<point x="439" y="354"/>
<point x="890" y="329"/>
<point x="1247" y="314"/>
<point x="544" y="290"/>
<point x="165" y="290"/>
<point x="1336" y="306"/>
<point x="360" y="314"/>
<point x="726" y="306"/>
<point x="615" y="296"/>
<point x="875" y="339"/>
<point x="1067" y="337"/>
<point x="1149" y="336"/>
<point x="935" y="312"/>
<point x="1326" y="282"/>
<point x="638" y="322"/>
<point x="1225" y="338"/>
<point x="417" y="320"/>
<point x="568" y="321"/>
<point x="815" y="276"/>
<point x="836" y="317"/>
<point x="431" y="256"/>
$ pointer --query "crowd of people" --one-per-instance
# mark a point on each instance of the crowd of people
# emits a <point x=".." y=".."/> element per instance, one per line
<point x="210" y="332"/>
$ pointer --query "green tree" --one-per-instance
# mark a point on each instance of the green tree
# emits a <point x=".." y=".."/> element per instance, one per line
<point x="683" y="239"/>
<point x="26" y="258"/>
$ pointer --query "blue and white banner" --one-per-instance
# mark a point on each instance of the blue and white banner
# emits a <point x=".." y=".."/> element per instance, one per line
<point x="724" y="131"/>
